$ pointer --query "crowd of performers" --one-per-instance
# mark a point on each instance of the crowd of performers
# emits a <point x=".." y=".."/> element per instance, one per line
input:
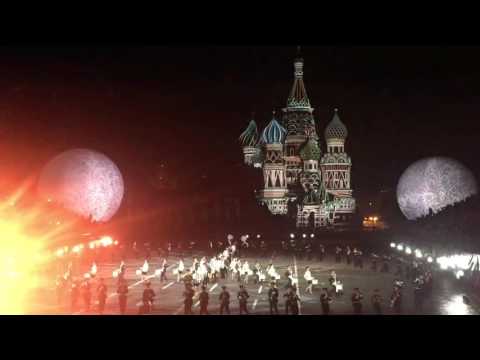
<point x="228" y="264"/>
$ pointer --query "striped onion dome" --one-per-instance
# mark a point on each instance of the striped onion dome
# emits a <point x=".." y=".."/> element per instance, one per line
<point x="336" y="129"/>
<point x="274" y="133"/>
<point x="250" y="136"/>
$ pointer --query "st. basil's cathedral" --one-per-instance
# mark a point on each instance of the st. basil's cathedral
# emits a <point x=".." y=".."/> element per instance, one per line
<point x="297" y="176"/>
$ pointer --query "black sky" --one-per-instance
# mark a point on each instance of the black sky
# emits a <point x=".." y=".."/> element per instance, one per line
<point x="186" y="106"/>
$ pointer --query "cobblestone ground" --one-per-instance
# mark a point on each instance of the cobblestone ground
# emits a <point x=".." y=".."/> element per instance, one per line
<point x="446" y="298"/>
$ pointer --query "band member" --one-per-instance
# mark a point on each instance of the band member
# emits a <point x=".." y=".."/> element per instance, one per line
<point x="263" y="248"/>
<point x="147" y="299"/>
<point x="377" y="302"/>
<point x="338" y="254"/>
<point x="163" y="274"/>
<point x="242" y="297"/>
<point x="256" y="273"/>
<point x="374" y="264"/>
<point x="122" y="269"/>
<point x="325" y="300"/>
<point x="204" y="297"/>
<point x="333" y="278"/>
<point x="86" y="294"/>
<point x="308" y="251"/>
<point x="396" y="300"/>
<point x="102" y="296"/>
<point x="294" y="301"/>
<point x="188" y="278"/>
<point x="349" y="255"/>
<point x="288" y="275"/>
<point x="180" y="269"/>
<point x="75" y="294"/>
<point x="144" y="269"/>
<point x="273" y="299"/>
<point x="246" y="271"/>
<point x="418" y="293"/>
<point x="60" y="284"/>
<point x="309" y="278"/>
<point x="355" y="257"/>
<point x="224" y="301"/>
<point x="122" y="292"/>
<point x="338" y="288"/>
<point x="321" y="252"/>
<point x="385" y="267"/>
<point x="357" y="298"/>
<point x="188" y="294"/>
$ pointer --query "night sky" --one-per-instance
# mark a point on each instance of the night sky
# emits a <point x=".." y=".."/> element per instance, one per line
<point x="185" y="107"/>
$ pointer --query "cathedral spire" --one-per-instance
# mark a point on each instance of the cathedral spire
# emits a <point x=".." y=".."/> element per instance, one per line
<point x="298" y="98"/>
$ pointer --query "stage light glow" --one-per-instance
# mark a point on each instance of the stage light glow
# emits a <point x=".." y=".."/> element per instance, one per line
<point x="418" y="253"/>
<point x="430" y="259"/>
<point x="459" y="274"/>
<point x="393" y="245"/>
<point x="292" y="236"/>
<point x="408" y="250"/>
<point x="312" y="235"/>
<point x="400" y="247"/>
<point x="304" y="236"/>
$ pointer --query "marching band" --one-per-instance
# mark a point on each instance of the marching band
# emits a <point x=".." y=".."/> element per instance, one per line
<point x="210" y="270"/>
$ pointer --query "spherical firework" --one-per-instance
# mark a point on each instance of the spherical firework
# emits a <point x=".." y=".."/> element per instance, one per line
<point x="84" y="181"/>
<point x="433" y="183"/>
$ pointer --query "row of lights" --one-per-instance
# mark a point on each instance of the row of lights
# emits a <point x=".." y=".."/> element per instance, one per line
<point x="292" y="236"/>
<point x="408" y="250"/>
<point x="105" y="241"/>
<point x="457" y="263"/>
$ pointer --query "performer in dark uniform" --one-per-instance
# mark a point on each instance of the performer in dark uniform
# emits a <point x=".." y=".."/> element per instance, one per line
<point x="291" y="302"/>
<point x="122" y="292"/>
<point x="242" y="300"/>
<point x="163" y="274"/>
<point x="294" y="301"/>
<point x="357" y="298"/>
<point x="203" y="297"/>
<point x="349" y="255"/>
<point x="263" y="248"/>
<point x="224" y="301"/>
<point x="102" y="296"/>
<point x="385" y="267"/>
<point x="338" y="254"/>
<point x="86" y="295"/>
<point x="396" y="300"/>
<point x="273" y="299"/>
<point x="377" y="302"/>
<point x="75" y="293"/>
<point x="321" y="252"/>
<point x="325" y="300"/>
<point x="147" y="299"/>
<point x="308" y="250"/>
<point x="60" y="284"/>
<point x="188" y="294"/>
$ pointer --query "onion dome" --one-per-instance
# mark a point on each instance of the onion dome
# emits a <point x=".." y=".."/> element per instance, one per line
<point x="250" y="136"/>
<point x="336" y="129"/>
<point x="311" y="150"/>
<point x="274" y="133"/>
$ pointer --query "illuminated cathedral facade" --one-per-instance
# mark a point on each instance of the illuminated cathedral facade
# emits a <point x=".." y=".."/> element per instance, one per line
<point x="298" y="178"/>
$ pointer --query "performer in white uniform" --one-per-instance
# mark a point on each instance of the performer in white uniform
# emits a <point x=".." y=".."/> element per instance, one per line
<point x="309" y="278"/>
